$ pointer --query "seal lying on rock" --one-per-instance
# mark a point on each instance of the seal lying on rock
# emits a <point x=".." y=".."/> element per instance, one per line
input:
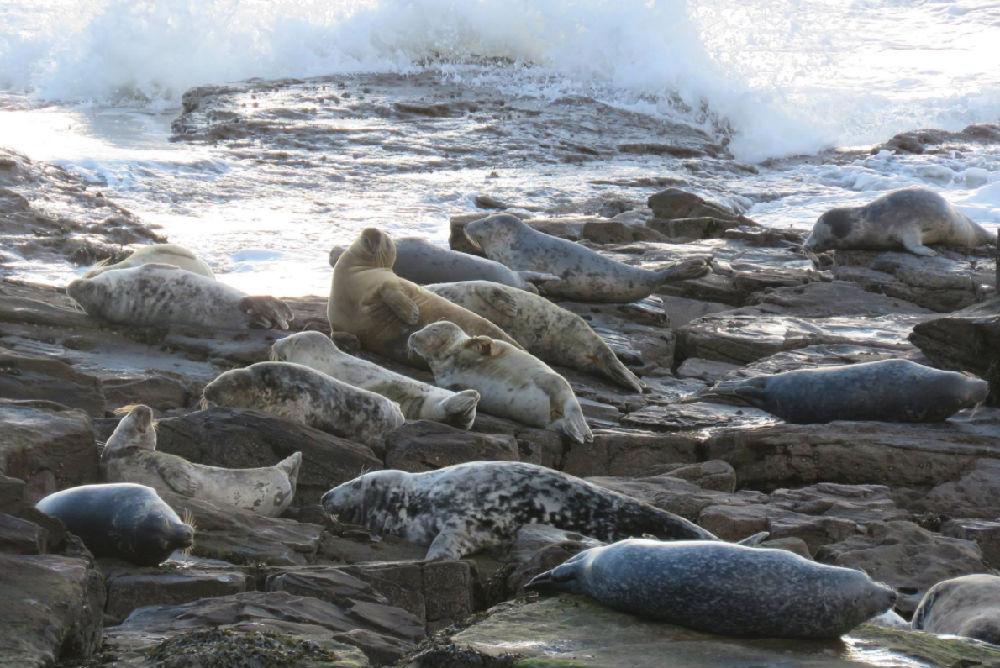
<point x="306" y="396"/>
<point x="382" y="309"/>
<point x="168" y="254"/>
<point x="121" y="520"/>
<point x="510" y="382"/>
<point x="156" y="295"/>
<point x="418" y="401"/>
<point x="722" y="588"/>
<point x="905" y="219"/>
<point x="459" y="510"/>
<point x="422" y="262"/>
<point x="544" y="329"/>
<point x="584" y="275"/>
<point x="965" y="606"/>
<point x="130" y="456"/>
<point x="884" y="391"/>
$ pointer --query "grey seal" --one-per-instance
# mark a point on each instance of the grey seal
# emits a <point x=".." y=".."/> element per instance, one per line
<point x="966" y="606"/>
<point x="417" y="400"/>
<point x="584" y="275"/>
<point x="884" y="391"/>
<point x="722" y="588"/>
<point x="122" y="520"/>
<point x="511" y="383"/>
<point x="306" y="396"/>
<point x="130" y="455"/>
<point x="157" y="295"/>
<point x="168" y="254"/>
<point x="907" y="219"/>
<point x="461" y="509"/>
<point x="544" y="329"/>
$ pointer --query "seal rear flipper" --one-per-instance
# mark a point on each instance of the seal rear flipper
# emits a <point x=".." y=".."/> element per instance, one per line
<point x="683" y="271"/>
<point x="266" y="312"/>
<point x="290" y="465"/>
<point x="576" y="428"/>
<point x="460" y="408"/>
<point x="755" y="540"/>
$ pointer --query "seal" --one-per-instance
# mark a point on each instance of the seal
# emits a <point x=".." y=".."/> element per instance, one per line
<point x="510" y="382"/>
<point x="121" y="520"/>
<point x="381" y="309"/>
<point x="157" y="295"/>
<point x="908" y="219"/>
<point x="418" y="401"/>
<point x="545" y="330"/>
<point x="722" y="588"/>
<point x="584" y="275"/>
<point x="883" y="391"/>
<point x="306" y="396"/>
<point x="461" y="509"/>
<point x="168" y="254"/>
<point x="130" y="455"/>
<point x="966" y="606"/>
<point x="423" y="263"/>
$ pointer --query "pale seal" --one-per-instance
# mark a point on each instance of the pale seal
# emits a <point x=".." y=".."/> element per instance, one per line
<point x="306" y="396"/>
<point x="907" y="219"/>
<point x="121" y="520"/>
<point x="157" y="295"/>
<point x="511" y="383"/>
<point x="966" y="606"/>
<point x="417" y="400"/>
<point x="584" y="275"/>
<point x="130" y="455"/>
<point x="722" y="588"/>
<point x="461" y="509"/>
<point x="168" y="254"/>
<point x="546" y="330"/>
<point x="884" y="391"/>
<point x="381" y="309"/>
<point x="422" y="262"/>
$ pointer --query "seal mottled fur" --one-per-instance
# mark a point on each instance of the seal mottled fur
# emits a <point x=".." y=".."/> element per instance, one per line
<point x="966" y="606"/>
<point x="722" y="588"/>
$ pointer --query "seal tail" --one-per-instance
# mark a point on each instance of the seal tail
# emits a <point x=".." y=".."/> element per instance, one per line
<point x="615" y="369"/>
<point x="460" y="408"/>
<point x="266" y="312"/>
<point x="683" y="271"/>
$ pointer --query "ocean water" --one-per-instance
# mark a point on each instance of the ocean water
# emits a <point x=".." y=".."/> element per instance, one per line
<point x="94" y="84"/>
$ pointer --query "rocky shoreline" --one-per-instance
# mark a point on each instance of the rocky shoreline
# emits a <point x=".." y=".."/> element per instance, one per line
<point x="910" y="504"/>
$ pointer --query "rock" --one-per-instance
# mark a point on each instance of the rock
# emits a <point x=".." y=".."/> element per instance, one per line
<point x="984" y="533"/>
<point x="490" y="202"/>
<point x="19" y="536"/>
<point x="52" y="609"/>
<point x="39" y="438"/>
<point x="537" y="548"/>
<point x="130" y="588"/>
<point x="905" y="556"/>
<point x="675" y="203"/>
<point x="629" y="452"/>
<point x="917" y="141"/>
<point x="11" y="494"/>
<point x="535" y="446"/>
<point x="790" y="543"/>
<point x="236" y="438"/>
<point x="158" y="392"/>
<point x="697" y="419"/>
<point x="425" y="446"/>
<point x="707" y="370"/>
<point x="30" y="377"/>
<point x="713" y="475"/>
<point x="689" y="229"/>
<point x="675" y="495"/>
<point x="975" y="494"/>
<point x="356" y="545"/>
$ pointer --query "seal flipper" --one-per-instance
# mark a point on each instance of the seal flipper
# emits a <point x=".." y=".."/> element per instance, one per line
<point x="615" y="369"/>
<point x="749" y="392"/>
<point x="290" y="466"/>
<point x="755" y="540"/>
<point x="452" y="543"/>
<point x="566" y="417"/>
<point x="401" y="305"/>
<point x="912" y="242"/>
<point x="502" y="302"/>
<point x="683" y="271"/>
<point x="266" y="312"/>
<point x="460" y="408"/>
<point x="560" y="578"/>
<point x="181" y="482"/>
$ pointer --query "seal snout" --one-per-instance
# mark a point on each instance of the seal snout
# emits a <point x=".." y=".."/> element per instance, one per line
<point x="184" y="537"/>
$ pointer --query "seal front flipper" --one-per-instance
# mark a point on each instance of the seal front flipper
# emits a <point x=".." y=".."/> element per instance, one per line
<point x="452" y="543"/>
<point x="911" y="241"/>
<point x="181" y="482"/>
<point x="460" y="408"/>
<point x="266" y="312"/>
<point x="683" y="271"/>
<point x="615" y="369"/>
<point x="402" y="306"/>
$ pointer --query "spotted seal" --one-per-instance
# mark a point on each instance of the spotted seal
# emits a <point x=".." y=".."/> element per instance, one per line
<point x="510" y="382"/>
<point x="306" y="396"/>
<point x="168" y="254"/>
<point x="966" y="606"/>
<point x="545" y="330"/>
<point x="130" y="455"/>
<point x="422" y="262"/>
<point x="121" y="520"/>
<point x="883" y="391"/>
<point x="461" y="509"/>
<point x="907" y="219"/>
<point x="157" y="295"/>
<point x="722" y="588"/>
<point x="382" y="309"/>
<point x="584" y="275"/>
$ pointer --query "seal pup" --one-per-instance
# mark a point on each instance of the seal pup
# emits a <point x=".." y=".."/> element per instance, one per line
<point x="883" y="391"/>
<point x="461" y="509"/>
<point x="907" y="219"/>
<point x="130" y="455"/>
<point x="510" y="382"/>
<point x="722" y="588"/>
<point x="545" y="330"/>
<point x="121" y="520"/>
<point x="584" y="275"/>
<point x="168" y="254"/>
<point x="423" y="263"/>
<point x="306" y="396"/>
<point x="966" y="606"/>
<point x="418" y="401"/>
<point x="157" y="295"/>
<point x="382" y="309"/>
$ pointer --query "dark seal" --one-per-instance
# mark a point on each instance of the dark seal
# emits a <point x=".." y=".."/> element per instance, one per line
<point x="966" y="606"/>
